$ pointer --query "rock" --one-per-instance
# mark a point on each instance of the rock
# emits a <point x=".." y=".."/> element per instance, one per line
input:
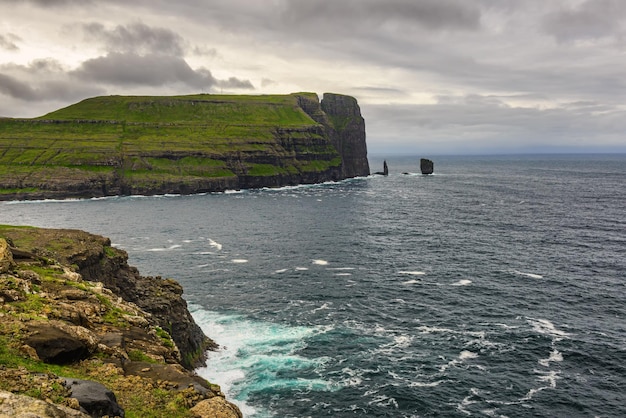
<point x="6" y="257"/>
<point x="56" y="346"/>
<point x="12" y="405"/>
<point x="94" y="398"/>
<point x="216" y="407"/>
<point x="349" y="133"/>
<point x="78" y="317"/>
<point x="177" y="377"/>
<point x="385" y="171"/>
<point x="427" y="166"/>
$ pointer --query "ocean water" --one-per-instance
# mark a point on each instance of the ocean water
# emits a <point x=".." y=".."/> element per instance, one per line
<point x="495" y="287"/>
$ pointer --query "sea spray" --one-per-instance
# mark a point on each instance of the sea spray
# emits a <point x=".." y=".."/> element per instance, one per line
<point x="257" y="357"/>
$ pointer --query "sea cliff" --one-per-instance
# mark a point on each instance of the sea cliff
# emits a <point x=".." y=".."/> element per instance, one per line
<point x="75" y="315"/>
<point x="128" y="145"/>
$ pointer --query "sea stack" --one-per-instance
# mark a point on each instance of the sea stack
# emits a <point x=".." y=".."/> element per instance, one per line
<point x="385" y="171"/>
<point x="426" y="166"/>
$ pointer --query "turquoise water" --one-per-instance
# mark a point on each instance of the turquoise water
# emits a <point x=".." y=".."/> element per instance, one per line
<point x="495" y="287"/>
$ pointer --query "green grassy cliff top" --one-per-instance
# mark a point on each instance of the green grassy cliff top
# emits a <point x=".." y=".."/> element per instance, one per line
<point x="261" y="110"/>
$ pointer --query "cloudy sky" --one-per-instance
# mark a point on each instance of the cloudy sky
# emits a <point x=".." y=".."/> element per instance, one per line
<point x="431" y="76"/>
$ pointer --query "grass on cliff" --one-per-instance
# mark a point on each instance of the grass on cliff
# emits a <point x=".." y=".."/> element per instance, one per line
<point x="139" y="397"/>
<point x="21" y="373"/>
<point x="155" y="141"/>
<point x="206" y="109"/>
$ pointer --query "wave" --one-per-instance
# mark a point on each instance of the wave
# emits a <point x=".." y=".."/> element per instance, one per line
<point x="543" y="326"/>
<point x="259" y="357"/>
<point x="170" y="248"/>
<point x="413" y="273"/>
<point x="531" y="275"/>
<point x="214" y="244"/>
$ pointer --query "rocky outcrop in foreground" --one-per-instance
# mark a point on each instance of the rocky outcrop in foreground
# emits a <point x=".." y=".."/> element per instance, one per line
<point x="83" y="332"/>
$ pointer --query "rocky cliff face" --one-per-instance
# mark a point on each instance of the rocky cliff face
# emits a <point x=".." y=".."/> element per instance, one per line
<point x="188" y="144"/>
<point x="348" y="133"/>
<point x="71" y="306"/>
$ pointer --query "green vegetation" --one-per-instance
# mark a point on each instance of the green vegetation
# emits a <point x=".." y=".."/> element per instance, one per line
<point x="120" y="144"/>
<point x="165" y="337"/>
<point x="38" y="291"/>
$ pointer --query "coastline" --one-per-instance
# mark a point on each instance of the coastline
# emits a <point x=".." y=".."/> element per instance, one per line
<point x="106" y="324"/>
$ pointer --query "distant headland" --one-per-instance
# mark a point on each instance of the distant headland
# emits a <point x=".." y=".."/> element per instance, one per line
<point x="147" y="145"/>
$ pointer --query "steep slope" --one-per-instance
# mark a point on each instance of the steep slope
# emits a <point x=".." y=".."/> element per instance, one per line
<point x="73" y="312"/>
<point x="118" y="145"/>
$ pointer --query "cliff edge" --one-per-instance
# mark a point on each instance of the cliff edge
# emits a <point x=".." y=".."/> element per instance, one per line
<point x="75" y="317"/>
<point x="125" y="145"/>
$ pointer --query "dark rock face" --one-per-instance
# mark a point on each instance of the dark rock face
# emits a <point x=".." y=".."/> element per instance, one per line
<point x="94" y="398"/>
<point x="56" y="346"/>
<point x="160" y="297"/>
<point x="427" y="166"/>
<point x="97" y="261"/>
<point x="385" y="171"/>
<point x="348" y="133"/>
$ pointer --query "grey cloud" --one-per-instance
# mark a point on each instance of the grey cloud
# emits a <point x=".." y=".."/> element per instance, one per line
<point x="477" y="123"/>
<point x="204" y="51"/>
<point x="147" y="70"/>
<point x="137" y="38"/>
<point x="590" y="20"/>
<point x="13" y="87"/>
<point x="33" y="90"/>
<point x="235" y="83"/>
<point x="430" y="14"/>
<point x="8" y="42"/>
<point x="53" y="3"/>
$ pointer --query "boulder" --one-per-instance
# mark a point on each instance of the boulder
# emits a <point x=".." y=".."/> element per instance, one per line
<point x="427" y="166"/>
<point x="56" y="346"/>
<point x="94" y="398"/>
<point x="12" y="405"/>
<point x="216" y="407"/>
<point x="6" y="257"/>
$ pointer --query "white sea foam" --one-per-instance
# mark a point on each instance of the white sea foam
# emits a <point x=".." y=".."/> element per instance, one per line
<point x="531" y="275"/>
<point x="543" y="326"/>
<point x="239" y="260"/>
<point x="320" y="262"/>
<point x="412" y="273"/>
<point x="341" y="268"/>
<point x="555" y="356"/>
<point x="463" y="282"/>
<point x="281" y="271"/>
<point x="426" y="384"/>
<point x="257" y="356"/>
<point x="411" y="281"/>
<point x="170" y="248"/>
<point x="343" y="274"/>
<point x="549" y="377"/>
<point x="321" y="308"/>
<point x="215" y="244"/>
<point x="301" y="268"/>
<point x="465" y="354"/>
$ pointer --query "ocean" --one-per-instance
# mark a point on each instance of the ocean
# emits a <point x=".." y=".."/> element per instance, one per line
<point x="494" y="288"/>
